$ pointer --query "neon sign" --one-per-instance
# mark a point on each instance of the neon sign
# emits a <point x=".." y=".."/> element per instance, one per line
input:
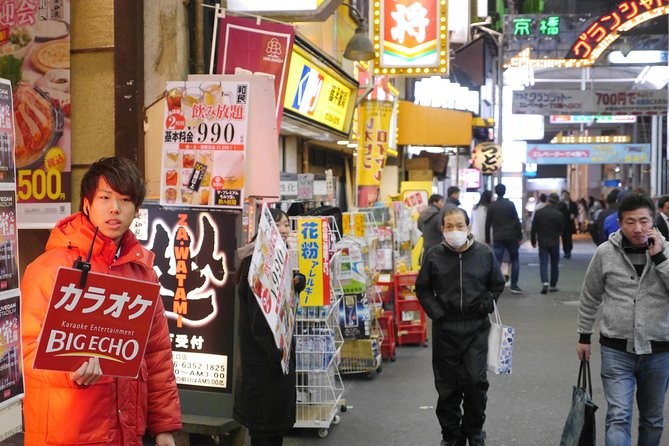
<point x="597" y="37"/>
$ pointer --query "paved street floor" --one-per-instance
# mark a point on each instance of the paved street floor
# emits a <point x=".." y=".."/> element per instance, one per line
<point x="526" y="408"/>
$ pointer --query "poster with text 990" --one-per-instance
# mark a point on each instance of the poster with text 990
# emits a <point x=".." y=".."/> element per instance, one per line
<point x="204" y="144"/>
<point x="194" y="261"/>
<point x="35" y="58"/>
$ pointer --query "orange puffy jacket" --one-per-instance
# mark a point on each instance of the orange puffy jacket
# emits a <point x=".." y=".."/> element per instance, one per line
<point x="114" y="411"/>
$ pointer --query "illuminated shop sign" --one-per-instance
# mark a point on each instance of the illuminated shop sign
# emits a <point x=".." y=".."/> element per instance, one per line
<point x="588" y="119"/>
<point x="411" y="36"/>
<point x="273" y="5"/>
<point x="594" y="36"/>
<point x="318" y="93"/>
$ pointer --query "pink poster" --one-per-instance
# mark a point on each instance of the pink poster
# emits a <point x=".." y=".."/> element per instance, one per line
<point x="260" y="48"/>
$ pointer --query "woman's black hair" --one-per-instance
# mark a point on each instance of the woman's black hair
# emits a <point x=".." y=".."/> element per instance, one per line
<point x="277" y="214"/>
<point x="485" y="200"/>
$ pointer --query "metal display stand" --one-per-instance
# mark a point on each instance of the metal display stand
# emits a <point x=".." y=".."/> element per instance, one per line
<point x="318" y="342"/>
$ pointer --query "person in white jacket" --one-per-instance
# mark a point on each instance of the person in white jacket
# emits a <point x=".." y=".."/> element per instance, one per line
<point x="479" y="215"/>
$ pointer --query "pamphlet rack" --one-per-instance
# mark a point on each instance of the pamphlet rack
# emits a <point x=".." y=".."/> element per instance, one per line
<point x="409" y="314"/>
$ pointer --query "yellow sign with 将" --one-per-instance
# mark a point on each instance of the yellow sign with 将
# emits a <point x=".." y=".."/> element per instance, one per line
<point x="359" y="225"/>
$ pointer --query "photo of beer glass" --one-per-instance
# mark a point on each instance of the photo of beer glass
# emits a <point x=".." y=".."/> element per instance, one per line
<point x="185" y="176"/>
<point x="230" y="166"/>
<point x="186" y="195"/>
<point x="211" y="92"/>
<point x="170" y="195"/>
<point x="172" y="158"/>
<point x="203" y="196"/>
<point x="190" y="97"/>
<point x="173" y="97"/>
<point x="188" y="160"/>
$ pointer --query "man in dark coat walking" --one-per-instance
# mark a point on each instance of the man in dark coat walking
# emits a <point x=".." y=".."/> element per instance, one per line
<point x="611" y="208"/>
<point x="456" y="285"/>
<point x="453" y="196"/>
<point x="662" y="219"/>
<point x="569" y="212"/>
<point x="507" y="233"/>
<point x="429" y="223"/>
<point x="547" y="227"/>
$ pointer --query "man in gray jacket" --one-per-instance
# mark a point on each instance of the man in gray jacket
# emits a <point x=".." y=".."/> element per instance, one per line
<point x="629" y="278"/>
<point x="429" y="223"/>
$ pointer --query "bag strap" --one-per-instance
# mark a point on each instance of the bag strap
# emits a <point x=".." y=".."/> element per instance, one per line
<point x="495" y="318"/>
<point x="585" y="377"/>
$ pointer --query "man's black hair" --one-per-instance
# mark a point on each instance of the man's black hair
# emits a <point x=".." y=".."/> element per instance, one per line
<point x="452" y="190"/>
<point x="121" y="174"/>
<point x="500" y="189"/>
<point x="612" y="196"/>
<point x="662" y="201"/>
<point x="543" y="198"/>
<point x="452" y="209"/>
<point x="633" y="201"/>
<point x="434" y="198"/>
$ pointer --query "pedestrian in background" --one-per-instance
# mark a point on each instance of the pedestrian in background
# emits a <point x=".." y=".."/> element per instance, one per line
<point x="612" y="223"/>
<point x="429" y="223"/>
<point x="479" y="216"/>
<point x="541" y="204"/>
<point x="456" y="286"/>
<point x="569" y="211"/>
<point x="507" y="233"/>
<point x="611" y="208"/>
<point x="662" y="220"/>
<point x="547" y="227"/>
<point x="453" y="196"/>
<point x="87" y="406"/>
<point x="582" y="216"/>
<point x="629" y="278"/>
<point x="265" y="397"/>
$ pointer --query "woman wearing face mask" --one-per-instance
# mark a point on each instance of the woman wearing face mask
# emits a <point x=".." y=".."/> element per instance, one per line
<point x="456" y="286"/>
<point x="264" y="397"/>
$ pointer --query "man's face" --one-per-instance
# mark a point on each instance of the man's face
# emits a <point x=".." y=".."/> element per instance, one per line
<point x="455" y="222"/>
<point x="665" y="209"/>
<point x="440" y="203"/>
<point x="635" y="226"/>
<point x="110" y="211"/>
<point x="565" y="196"/>
<point x="456" y="195"/>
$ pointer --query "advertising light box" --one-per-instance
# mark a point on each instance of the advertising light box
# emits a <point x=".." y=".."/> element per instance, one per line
<point x="317" y="92"/>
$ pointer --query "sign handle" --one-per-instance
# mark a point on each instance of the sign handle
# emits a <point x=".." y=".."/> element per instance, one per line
<point x="85" y="266"/>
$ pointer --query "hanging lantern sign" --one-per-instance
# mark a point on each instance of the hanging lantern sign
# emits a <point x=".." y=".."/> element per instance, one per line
<point x="487" y="157"/>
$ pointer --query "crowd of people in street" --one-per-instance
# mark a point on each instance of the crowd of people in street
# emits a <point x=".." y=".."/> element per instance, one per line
<point x="626" y="286"/>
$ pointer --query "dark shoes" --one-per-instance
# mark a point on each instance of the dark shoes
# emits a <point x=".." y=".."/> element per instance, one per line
<point x="567" y="256"/>
<point x="476" y="442"/>
<point x="454" y="442"/>
<point x="553" y="289"/>
<point x="515" y="289"/>
<point x="544" y="289"/>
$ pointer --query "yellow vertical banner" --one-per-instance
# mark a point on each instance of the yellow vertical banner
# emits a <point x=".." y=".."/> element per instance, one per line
<point x="375" y="137"/>
<point x="359" y="224"/>
<point x="313" y="239"/>
<point x="346" y="223"/>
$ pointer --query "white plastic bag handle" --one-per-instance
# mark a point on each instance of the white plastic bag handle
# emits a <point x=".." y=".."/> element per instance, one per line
<point x="497" y="319"/>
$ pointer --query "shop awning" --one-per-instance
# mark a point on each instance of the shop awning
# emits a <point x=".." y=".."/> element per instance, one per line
<point x="418" y="125"/>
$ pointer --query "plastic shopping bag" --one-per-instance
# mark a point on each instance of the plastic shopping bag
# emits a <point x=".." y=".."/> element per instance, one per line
<point x="579" y="429"/>
<point x="500" y="345"/>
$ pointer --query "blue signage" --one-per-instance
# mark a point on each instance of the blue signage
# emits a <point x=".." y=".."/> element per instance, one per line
<point x="588" y="153"/>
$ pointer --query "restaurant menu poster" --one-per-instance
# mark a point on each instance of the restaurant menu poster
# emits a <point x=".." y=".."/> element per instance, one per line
<point x="204" y="144"/>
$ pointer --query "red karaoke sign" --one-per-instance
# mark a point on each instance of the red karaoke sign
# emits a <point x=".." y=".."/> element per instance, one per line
<point x="109" y="318"/>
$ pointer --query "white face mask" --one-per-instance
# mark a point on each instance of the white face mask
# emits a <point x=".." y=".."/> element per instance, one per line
<point x="455" y="239"/>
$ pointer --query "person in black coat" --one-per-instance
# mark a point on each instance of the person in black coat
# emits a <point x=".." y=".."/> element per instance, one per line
<point x="547" y="227"/>
<point x="265" y="398"/>
<point x="662" y="219"/>
<point x="611" y="208"/>
<point x="456" y="286"/>
<point x="569" y="211"/>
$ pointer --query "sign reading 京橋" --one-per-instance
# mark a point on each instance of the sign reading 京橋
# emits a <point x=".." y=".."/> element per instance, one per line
<point x="412" y="37"/>
<point x="588" y="153"/>
<point x="109" y="318"/>
<point x="261" y="47"/>
<point x="590" y="102"/>
<point x="271" y="280"/>
<point x="204" y="144"/>
<point x="313" y="251"/>
<point x="35" y="58"/>
<point x="375" y="138"/>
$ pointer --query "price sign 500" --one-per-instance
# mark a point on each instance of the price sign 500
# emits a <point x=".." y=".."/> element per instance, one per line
<point x="39" y="184"/>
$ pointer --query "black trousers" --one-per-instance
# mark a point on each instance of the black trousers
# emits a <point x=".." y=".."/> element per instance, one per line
<point x="266" y="441"/>
<point x="459" y="354"/>
<point x="567" y="243"/>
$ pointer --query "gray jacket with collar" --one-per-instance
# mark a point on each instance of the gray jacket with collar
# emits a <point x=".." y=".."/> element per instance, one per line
<point x="634" y="308"/>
